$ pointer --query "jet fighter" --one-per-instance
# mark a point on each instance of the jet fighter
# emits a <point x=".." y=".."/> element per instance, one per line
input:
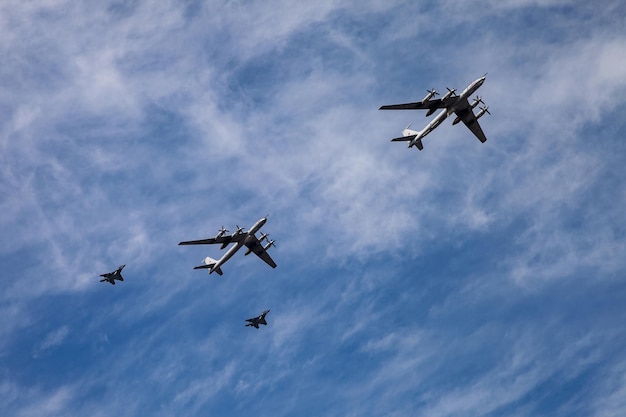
<point x="450" y="103"/>
<point x="112" y="276"/>
<point x="239" y="238"/>
<point x="255" y="321"/>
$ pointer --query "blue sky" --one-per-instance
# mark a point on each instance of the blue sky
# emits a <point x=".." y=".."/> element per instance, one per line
<point x="468" y="279"/>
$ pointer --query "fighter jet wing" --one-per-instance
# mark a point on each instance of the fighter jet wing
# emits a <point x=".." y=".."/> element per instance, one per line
<point x="216" y="240"/>
<point x="262" y="253"/>
<point x="466" y="114"/>
<point x="252" y="323"/>
<point x="422" y="105"/>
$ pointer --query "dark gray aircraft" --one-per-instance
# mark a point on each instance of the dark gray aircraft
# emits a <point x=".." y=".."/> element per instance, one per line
<point x="112" y="276"/>
<point x="450" y="103"/>
<point x="255" y="321"/>
<point x="239" y="238"/>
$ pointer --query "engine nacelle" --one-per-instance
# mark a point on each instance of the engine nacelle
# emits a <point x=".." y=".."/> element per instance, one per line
<point x="482" y="112"/>
<point x="476" y="102"/>
<point x="451" y="93"/>
<point x="221" y="232"/>
<point x="431" y="93"/>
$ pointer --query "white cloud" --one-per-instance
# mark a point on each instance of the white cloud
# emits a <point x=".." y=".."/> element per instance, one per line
<point x="54" y="338"/>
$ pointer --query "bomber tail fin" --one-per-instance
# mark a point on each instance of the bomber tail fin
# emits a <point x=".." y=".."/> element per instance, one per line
<point x="407" y="135"/>
<point x="209" y="263"/>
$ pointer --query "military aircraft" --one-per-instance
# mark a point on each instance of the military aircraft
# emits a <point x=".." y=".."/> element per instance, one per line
<point x="112" y="276"/>
<point x="255" y="321"/>
<point x="450" y="103"/>
<point x="240" y="238"/>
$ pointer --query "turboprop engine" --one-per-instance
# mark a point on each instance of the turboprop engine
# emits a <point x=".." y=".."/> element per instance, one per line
<point x="451" y="93"/>
<point x="482" y="112"/>
<point x="431" y="93"/>
<point x="476" y="101"/>
<point x="221" y="232"/>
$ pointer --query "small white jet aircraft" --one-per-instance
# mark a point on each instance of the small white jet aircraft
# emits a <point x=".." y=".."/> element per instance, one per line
<point x="450" y="103"/>
<point x="239" y="238"/>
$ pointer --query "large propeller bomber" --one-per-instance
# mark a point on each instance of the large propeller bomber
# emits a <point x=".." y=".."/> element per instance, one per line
<point x="451" y="103"/>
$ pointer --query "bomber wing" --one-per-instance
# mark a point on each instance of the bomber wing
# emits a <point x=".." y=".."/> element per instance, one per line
<point x="466" y="114"/>
<point x="216" y="240"/>
<point x="260" y="251"/>
<point x="422" y="105"/>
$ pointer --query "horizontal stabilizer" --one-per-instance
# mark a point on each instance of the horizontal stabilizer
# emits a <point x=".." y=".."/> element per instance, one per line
<point x="218" y="270"/>
<point x="404" y="138"/>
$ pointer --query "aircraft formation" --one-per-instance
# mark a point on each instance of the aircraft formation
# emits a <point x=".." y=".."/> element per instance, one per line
<point x="239" y="238"/>
<point x="450" y="103"/>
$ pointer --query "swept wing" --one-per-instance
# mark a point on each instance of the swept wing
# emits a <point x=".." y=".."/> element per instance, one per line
<point x="258" y="249"/>
<point x="467" y="116"/>
<point x="422" y="105"/>
<point x="216" y="240"/>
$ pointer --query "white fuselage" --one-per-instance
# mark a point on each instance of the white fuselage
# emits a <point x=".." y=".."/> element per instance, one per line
<point x="233" y="249"/>
<point x="443" y="115"/>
